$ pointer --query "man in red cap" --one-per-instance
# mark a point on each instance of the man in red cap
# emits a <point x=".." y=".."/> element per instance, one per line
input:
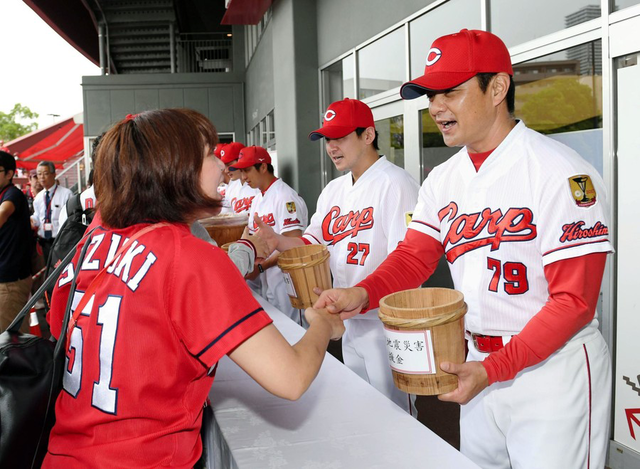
<point x="280" y="207"/>
<point x="360" y="217"/>
<point x="522" y="221"/>
<point x="238" y="195"/>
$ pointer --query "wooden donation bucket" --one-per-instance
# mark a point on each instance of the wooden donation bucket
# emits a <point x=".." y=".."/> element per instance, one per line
<point x="225" y="246"/>
<point x="304" y="268"/>
<point x="225" y="228"/>
<point x="423" y="328"/>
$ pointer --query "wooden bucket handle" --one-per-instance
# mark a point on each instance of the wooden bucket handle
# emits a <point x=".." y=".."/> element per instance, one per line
<point x="423" y="323"/>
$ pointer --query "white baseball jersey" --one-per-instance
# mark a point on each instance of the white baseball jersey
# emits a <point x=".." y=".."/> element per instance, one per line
<point x="282" y="209"/>
<point x="231" y="190"/>
<point x="534" y="201"/>
<point x="241" y="197"/>
<point x="361" y="224"/>
<point x="87" y="200"/>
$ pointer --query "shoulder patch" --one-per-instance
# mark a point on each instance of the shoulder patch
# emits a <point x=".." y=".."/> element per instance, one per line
<point x="291" y="207"/>
<point x="582" y="190"/>
<point x="408" y="216"/>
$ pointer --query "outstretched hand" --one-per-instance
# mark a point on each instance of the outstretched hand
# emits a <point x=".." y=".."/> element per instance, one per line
<point x="347" y="302"/>
<point x="472" y="379"/>
<point x="266" y="233"/>
<point x="337" y="326"/>
<point x="262" y="248"/>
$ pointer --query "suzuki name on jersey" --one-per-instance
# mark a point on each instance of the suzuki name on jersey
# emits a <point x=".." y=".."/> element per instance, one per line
<point x="474" y="230"/>
<point x="336" y="227"/>
<point x="120" y="267"/>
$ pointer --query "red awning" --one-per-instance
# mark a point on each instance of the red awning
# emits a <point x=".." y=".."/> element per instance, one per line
<point x="58" y="143"/>
<point x="245" y="11"/>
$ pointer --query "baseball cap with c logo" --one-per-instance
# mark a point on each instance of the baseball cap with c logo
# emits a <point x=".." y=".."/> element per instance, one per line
<point x="342" y="118"/>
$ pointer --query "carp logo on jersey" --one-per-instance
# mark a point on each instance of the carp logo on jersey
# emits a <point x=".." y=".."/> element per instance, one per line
<point x="336" y="227"/>
<point x="241" y="205"/>
<point x="267" y="219"/>
<point x="487" y="228"/>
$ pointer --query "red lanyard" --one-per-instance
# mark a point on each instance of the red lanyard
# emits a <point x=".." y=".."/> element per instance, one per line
<point x="5" y="190"/>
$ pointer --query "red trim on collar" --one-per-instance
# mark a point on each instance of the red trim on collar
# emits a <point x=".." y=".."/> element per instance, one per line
<point x="478" y="158"/>
<point x="263" y="192"/>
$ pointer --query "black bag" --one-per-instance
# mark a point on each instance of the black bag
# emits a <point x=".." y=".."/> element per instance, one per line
<point x="30" y="379"/>
<point x="70" y="233"/>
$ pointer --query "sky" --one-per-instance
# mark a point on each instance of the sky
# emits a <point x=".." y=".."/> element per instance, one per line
<point x="39" y="69"/>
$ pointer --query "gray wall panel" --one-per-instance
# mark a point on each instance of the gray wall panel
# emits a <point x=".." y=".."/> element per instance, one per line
<point x="343" y="25"/>
<point x="170" y="98"/>
<point x="146" y="100"/>
<point x="220" y="103"/>
<point x="260" y="99"/>
<point x="197" y="98"/>
<point x="122" y="103"/>
<point x="100" y="104"/>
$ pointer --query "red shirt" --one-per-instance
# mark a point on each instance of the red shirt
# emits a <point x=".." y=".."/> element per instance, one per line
<point x="137" y="371"/>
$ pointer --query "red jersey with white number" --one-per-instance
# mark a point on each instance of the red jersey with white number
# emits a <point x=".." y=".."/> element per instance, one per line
<point x="137" y="370"/>
<point x="362" y="223"/>
<point x="534" y="201"/>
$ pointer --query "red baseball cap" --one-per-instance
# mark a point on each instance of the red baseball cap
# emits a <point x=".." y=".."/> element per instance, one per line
<point x="342" y="118"/>
<point x="455" y="58"/>
<point x="231" y="152"/>
<point x="218" y="149"/>
<point x="250" y="156"/>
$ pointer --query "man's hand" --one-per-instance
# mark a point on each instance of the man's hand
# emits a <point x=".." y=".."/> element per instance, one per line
<point x="472" y="379"/>
<point x="262" y="248"/>
<point x="266" y="233"/>
<point x="348" y="302"/>
<point x="337" y="326"/>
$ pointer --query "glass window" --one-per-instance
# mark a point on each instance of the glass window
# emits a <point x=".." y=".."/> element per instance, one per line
<point x="561" y="95"/>
<point x="448" y="18"/>
<point x="264" y="139"/>
<point x="381" y="65"/>
<point x="338" y="81"/>
<point x="620" y="4"/>
<point x="271" y="128"/>
<point x="391" y="139"/>
<point x="542" y="17"/>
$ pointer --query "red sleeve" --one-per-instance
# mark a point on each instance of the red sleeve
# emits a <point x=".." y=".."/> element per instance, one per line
<point x="574" y="286"/>
<point x="408" y="266"/>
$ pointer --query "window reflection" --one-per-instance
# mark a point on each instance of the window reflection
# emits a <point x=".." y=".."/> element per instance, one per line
<point x="561" y="95"/>
<point x="542" y="17"/>
<point x="448" y="18"/>
<point x="381" y="65"/>
<point x="621" y="4"/>
<point x="338" y="81"/>
<point x="391" y="139"/>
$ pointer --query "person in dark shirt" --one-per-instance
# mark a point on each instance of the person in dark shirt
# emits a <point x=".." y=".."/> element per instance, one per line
<point x="15" y="238"/>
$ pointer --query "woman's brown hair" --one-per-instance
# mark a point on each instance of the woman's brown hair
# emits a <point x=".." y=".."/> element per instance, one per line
<point x="147" y="168"/>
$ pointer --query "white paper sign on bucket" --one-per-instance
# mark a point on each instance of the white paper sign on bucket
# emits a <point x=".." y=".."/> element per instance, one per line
<point x="288" y="282"/>
<point x="410" y="352"/>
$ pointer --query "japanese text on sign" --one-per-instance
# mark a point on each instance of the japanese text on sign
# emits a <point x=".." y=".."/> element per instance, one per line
<point x="410" y="352"/>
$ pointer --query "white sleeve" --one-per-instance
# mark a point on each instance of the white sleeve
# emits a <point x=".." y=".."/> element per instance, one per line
<point x="290" y="214"/>
<point x="425" y="218"/>
<point x="63" y="215"/>
<point x="313" y="233"/>
<point x="400" y="203"/>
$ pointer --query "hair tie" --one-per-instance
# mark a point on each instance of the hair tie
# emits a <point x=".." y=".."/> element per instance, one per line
<point x="131" y="117"/>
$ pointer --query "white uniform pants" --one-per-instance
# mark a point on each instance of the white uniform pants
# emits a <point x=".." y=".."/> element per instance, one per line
<point x="552" y="415"/>
<point x="364" y="352"/>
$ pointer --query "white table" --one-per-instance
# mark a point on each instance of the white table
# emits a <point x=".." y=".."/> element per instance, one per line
<point x="340" y="422"/>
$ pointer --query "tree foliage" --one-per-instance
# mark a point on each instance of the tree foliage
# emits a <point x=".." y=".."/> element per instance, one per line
<point x="10" y="128"/>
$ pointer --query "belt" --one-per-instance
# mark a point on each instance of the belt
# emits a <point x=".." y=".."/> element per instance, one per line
<point x="488" y="343"/>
